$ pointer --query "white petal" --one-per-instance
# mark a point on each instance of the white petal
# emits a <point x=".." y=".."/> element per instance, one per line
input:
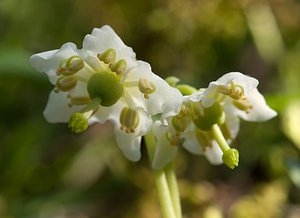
<point x="214" y="154"/>
<point x="260" y="111"/>
<point x="164" y="152"/>
<point x="102" y="39"/>
<point x="48" y="62"/>
<point x="57" y="109"/>
<point x="249" y="83"/>
<point x="129" y="143"/>
<point x="233" y="123"/>
<point x="165" y="99"/>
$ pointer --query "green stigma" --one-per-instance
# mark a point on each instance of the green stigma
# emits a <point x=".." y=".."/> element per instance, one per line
<point x="231" y="158"/>
<point x="78" y="123"/>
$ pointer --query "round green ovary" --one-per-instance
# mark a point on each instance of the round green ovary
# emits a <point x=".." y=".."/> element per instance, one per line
<point x="212" y="115"/>
<point x="105" y="86"/>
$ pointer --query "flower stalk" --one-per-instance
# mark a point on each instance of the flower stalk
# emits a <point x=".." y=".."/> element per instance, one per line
<point x="166" y="183"/>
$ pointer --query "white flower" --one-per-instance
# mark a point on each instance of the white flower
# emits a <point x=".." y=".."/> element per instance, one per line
<point x="103" y="81"/>
<point x="238" y="94"/>
<point x="209" y="120"/>
<point x="181" y="130"/>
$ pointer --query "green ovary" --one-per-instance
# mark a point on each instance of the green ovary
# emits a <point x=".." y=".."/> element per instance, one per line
<point x="207" y="117"/>
<point x="106" y="86"/>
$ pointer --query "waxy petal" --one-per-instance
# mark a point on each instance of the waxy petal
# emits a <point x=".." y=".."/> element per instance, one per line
<point x="48" y="62"/>
<point x="164" y="152"/>
<point x="129" y="143"/>
<point x="260" y="111"/>
<point x="165" y="99"/>
<point x="57" y="109"/>
<point x="102" y="39"/>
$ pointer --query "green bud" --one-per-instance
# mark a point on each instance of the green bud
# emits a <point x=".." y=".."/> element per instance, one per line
<point x="78" y="123"/>
<point x="231" y="158"/>
<point x="205" y="118"/>
<point x="172" y="80"/>
<point x="105" y="86"/>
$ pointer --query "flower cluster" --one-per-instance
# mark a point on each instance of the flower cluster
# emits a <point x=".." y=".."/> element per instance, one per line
<point x="104" y="81"/>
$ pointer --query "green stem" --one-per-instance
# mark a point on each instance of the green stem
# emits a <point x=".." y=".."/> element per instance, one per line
<point x="173" y="187"/>
<point x="218" y="135"/>
<point x="160" y="180"/>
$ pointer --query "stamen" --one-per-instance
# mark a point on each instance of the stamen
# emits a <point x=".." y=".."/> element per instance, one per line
<point x="174" y="139"/>
<point x="197" y="110"/>
<point x="146" y="87"/>
<point x="79" y="100"/>
<point x="108" y="57"/>
<point x="129" y="120"/>
<point x="232" y="90"/>
<point x="179" y="123"/>
<point x="119" y="67"/>
<point x="242" y="105"/>
<point x="203" y="139"/>
<point x="66" y="83"/>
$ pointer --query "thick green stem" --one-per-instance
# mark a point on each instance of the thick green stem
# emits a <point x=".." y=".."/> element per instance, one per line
<point x="173" y="187"/>
<point x="160" y="181"/>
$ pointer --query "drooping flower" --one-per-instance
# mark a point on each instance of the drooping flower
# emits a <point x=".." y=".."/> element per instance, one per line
<point x="103" y="81"/>
<point x="238" y="93"/>
<point x="183" y="130"/>
<point x="209" y="120"/>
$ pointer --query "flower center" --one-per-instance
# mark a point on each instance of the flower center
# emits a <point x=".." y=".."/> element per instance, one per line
<point x="129" y="120"/>
<point x="106" y="86"/>
<point x="205" y="118"/>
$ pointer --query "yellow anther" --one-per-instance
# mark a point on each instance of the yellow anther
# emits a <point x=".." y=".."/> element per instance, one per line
<point x="232" y="90"/>
<point x="146" y="87"/>
<point x="204" y="139"/>
<point x="129" y="120"/>
<point x="224" y="89"/>
<point x="119" y="67"/>
<point x="197" y="110"/>
<point x="174" y="139"/>
<point x="242" y="105"/>
<point x="70" y="66"/>
<point x="66" y="83"/>
<point x="179" y="123"/>
<point x="79" y="100"/>
<point x="108" y="57"/>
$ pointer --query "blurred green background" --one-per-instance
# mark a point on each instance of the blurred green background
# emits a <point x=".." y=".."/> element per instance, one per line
<point x="48" y="172"/>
